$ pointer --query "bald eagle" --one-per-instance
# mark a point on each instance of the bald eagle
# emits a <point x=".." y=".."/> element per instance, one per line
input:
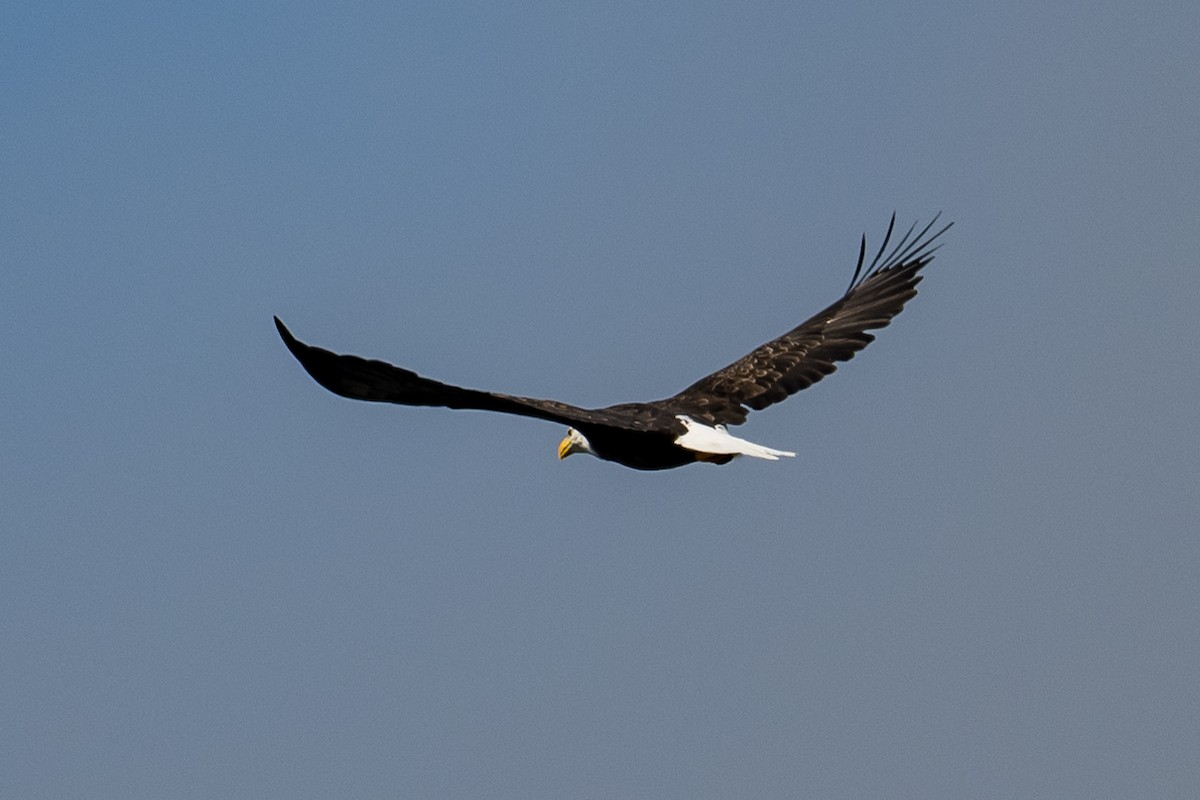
<point x="690" y="426"/>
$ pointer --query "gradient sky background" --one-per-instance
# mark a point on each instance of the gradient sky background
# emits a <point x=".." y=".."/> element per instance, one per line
<point x="980" y="578"/>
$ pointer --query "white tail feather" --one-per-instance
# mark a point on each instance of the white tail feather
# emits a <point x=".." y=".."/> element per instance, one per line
<point x="718" y="441"/>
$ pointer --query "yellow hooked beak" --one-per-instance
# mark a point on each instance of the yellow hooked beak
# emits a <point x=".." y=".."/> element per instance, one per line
<point x="565" y="448"/>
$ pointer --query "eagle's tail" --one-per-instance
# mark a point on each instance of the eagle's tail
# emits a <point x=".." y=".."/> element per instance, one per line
<point x="719" y="441"/>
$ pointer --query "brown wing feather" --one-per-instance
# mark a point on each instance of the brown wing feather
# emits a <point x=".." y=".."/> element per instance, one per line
<point x="378" y="381"/>
<point x="809" y="352"/>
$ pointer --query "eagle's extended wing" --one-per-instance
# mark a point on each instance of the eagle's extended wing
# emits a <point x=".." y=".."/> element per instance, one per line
<point x="378" y="381"/>
<point x="805" y="354"/>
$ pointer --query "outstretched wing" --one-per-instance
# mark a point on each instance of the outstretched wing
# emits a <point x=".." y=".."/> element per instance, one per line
<point x="805" y="354"/>
<point x="378" y="381"/>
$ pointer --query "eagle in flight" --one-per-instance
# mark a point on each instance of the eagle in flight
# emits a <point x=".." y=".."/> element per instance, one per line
<point x="690" y="426"/>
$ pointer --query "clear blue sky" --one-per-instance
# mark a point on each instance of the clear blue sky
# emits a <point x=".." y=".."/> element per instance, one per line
<point x="978" y="579"/>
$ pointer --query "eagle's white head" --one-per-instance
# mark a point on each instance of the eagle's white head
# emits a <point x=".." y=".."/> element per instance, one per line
<point x="575" y="442"/>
